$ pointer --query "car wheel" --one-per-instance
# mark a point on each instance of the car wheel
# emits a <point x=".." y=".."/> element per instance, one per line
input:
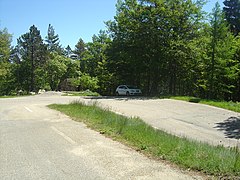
<point x="127" y="93"/>
<point x="117" y="94"/>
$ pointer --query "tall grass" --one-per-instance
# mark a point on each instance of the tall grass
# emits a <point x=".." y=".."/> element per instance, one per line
<point x="142" y="137"/>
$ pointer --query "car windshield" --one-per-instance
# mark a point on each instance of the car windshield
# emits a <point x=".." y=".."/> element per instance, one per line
<point x="132" y="87"/>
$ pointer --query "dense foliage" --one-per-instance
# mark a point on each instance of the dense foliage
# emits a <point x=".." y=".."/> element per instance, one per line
<point x="232" y="13"/>
<point x="166" y="47"/>
<point x="5" y="71"/>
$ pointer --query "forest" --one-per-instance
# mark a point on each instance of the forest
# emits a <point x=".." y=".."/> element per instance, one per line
<point x="165" y="47"/>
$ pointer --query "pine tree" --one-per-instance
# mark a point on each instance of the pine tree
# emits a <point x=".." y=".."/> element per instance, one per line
<point x="220" y="52"/>
<point x="33" y="54"/>
<point x="68" y="51"/>
<point x="80" y="48"/>
<point x="232" y="13"/>
<point x="79" y="51"/>
<point x="52" y="40"/>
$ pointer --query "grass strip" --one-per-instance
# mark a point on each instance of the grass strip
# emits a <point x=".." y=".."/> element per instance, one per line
<point x="81" y="93"/>
<point x="134" y="132"/>
<point x="232" y="106"/>
<point x="8" y="96"/>
<point x="14" y="96"/>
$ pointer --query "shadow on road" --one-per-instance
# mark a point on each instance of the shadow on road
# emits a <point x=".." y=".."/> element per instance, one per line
<point x="231" y="127"/>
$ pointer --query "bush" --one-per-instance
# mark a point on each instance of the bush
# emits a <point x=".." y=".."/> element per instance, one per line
<point x="84" y="82"/>
<point x="194" y="100"/>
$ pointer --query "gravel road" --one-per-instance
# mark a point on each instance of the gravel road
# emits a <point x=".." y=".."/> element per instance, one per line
<point x="39" y="143"/>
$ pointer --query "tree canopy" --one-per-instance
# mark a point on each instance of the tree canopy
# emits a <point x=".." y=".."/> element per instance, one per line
<point x="166" y="47"/>
<point x="232" y="14"/>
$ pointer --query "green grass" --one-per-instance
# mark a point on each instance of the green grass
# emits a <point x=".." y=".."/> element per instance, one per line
<point x="81" y="93"/>
<point x="8" y="96"/>
<point x="14" y="96"/>
<point x="134" y="132"/>
<point x="233" y="106"/>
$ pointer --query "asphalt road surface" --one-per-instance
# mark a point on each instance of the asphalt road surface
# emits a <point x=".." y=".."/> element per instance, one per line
<point x="199" y="122"/>
<point x="39" y="143"/>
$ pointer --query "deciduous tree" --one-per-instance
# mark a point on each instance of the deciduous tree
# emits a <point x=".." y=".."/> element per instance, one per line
<point x="5" y="66"/>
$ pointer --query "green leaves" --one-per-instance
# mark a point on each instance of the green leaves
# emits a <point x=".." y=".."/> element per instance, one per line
<point x="56" y="67"/>
<point x="162" y="46"/>
<point x="52" y="40"/>
<point x="5" y="66"/>
<point x="231" y="10"/>
<point x="220" y="49"/>
<point x="150" y="42"/>
<point x="166" y="47"/>
<point x="85" y="82"/>
<point x="33" y="53"/>
<point x="5" y="43"/>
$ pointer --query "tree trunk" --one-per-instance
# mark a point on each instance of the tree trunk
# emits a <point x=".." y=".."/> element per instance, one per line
<point x="32" y="70"/>
<point x="212" y="71"/>
<point x="172" y="81"/>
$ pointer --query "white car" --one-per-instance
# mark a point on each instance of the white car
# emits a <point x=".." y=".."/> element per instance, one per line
<point x="127" y="90"/>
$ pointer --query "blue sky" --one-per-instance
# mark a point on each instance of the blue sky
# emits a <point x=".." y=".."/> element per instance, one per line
<point x="71" y="19"/>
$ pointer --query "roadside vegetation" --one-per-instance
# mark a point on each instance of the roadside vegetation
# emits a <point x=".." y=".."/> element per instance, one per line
<point x="169" y="47"/>
<point x="8" y="96"/>
<point x="232" y="106"/>
<point x="81" y="93"/>
<point x="218" y="161"/>
<point x="17" y="94"/>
